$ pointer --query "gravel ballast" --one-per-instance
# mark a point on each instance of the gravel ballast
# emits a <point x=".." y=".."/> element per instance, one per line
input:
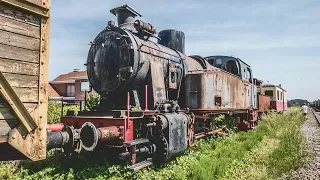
<point x="311" y="131"/>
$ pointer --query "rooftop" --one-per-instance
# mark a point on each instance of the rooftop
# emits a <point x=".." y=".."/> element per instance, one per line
<point x="52" y="92"/>
<point x="70" y="77"/>
<point x="273" y="85"/>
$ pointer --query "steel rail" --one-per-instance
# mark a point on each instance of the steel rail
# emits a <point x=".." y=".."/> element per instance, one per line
<point x="314" y="114"/>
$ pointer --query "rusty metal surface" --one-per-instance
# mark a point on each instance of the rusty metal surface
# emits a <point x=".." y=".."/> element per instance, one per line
<point x="142" y="26"/>
<point x="109" y="133"/>
<point x="240" y="69"/>
<point x="196" y="63"/>
<point x="217" y="89"/>
<point x="264" y="103"/>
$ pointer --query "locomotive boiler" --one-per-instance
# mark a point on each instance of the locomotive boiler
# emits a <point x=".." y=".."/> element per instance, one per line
<point x="120" y="59"/>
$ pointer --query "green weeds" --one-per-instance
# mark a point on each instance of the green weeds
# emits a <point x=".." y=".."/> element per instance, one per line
<point x="267" y="152"/>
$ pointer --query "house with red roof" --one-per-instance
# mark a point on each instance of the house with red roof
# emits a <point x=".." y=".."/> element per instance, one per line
<point x="71" y="87"/>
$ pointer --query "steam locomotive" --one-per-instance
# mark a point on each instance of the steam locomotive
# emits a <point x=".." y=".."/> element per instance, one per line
<point x="155" y="100"/>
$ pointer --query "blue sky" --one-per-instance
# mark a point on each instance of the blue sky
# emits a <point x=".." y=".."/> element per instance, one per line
<point x="279" y="39"/>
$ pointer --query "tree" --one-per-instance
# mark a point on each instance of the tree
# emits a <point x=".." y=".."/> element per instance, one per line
<point x="92" y="101"/>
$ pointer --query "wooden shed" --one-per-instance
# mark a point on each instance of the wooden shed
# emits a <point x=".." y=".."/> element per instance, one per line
<point x="24" y="53"/>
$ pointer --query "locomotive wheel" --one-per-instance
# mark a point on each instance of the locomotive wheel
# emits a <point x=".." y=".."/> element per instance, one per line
<point x="63" y="158"/>
<point x="161" y="154"/>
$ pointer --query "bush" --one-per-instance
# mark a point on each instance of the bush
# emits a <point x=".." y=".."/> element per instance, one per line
<point x="54" y="111"/>
<point x="92" y="101"/>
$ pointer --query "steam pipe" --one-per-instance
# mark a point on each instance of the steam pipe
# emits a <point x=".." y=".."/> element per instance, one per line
<point x="126" y="155"/>
<point x="55" y="127"/>
<point x="126" y="121"/>
<point x="146" y="98"/>
<point x="142" y="26"/>
<point x="57" y="139"/>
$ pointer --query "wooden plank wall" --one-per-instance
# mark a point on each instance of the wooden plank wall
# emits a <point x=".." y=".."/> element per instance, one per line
<point x="19" y="60"/>
<point x="37" y="2"/>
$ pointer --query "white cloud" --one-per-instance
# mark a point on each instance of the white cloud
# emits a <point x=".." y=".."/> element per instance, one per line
<point x="262" y="33"/>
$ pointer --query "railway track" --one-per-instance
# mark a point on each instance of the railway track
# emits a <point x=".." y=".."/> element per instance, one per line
<point x="311" y="131"/>
<point x="316" y="115"/>
<point x="316" y="136"/>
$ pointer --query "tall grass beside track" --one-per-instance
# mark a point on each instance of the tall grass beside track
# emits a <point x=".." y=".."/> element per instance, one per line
<point x="273" y="148"/>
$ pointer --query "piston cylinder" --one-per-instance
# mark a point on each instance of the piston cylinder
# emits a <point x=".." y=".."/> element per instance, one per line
<point x="90" y="136"/>
<point x="108" y="133"/>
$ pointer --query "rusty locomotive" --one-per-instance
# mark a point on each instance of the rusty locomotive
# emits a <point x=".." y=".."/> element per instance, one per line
<point x="155" y="100"/>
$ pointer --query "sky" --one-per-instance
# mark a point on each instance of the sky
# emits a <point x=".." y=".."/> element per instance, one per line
<point x="279" y="39"/>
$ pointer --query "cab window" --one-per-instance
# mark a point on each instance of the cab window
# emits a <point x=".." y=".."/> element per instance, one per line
<point x="269" y="93"/>
<point x="249" y="75"/>
<point x="231" y="66"/>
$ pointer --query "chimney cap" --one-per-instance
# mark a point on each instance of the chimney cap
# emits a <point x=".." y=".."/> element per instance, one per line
<point x="114" y="11"/>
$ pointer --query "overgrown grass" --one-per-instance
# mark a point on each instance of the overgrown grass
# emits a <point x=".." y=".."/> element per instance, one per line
<point x="267" y="152"/>
<point x="281" y="150"/>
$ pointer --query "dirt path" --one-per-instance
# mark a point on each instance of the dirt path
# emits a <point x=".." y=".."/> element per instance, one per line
<point x="311" y="131"/>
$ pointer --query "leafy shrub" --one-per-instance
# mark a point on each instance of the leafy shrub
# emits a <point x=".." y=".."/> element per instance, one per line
<point x="92" y="101"/>
<point x="54" y="111"/>
<point x="7" y="170"/>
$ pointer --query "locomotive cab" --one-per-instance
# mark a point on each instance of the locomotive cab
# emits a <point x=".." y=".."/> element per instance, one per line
<point x="232" y="65"/>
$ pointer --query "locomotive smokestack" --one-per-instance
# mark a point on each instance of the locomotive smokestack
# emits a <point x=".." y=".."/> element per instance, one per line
<point x="125" y="16"/>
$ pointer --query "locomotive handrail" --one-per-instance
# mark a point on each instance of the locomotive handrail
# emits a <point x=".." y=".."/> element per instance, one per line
<point x="143" y="44"/>
<point x="215" y="69"/>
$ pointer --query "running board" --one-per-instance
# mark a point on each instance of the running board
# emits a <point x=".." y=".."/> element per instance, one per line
<point x="140" y="165"/>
